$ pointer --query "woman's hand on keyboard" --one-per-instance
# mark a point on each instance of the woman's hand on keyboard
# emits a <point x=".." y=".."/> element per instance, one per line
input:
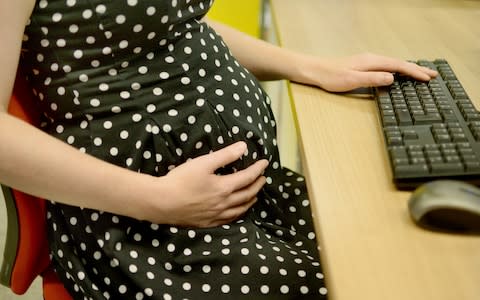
<point x="362" y="70"/>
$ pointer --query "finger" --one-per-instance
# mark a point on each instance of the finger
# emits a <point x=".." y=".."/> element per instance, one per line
<point x="371" y="62"/>
<point x="244" y="195"/>
<point x="245" y="177"/>
<point x="234" y="213"/>
<point x="416" y="71"/>
<point x="358" y="79"/>
<point x="224" y="156"/>
<point x="229" y="215"/>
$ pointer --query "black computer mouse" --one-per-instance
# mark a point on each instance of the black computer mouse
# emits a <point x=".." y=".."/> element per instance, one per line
<point x="446" y="205"/>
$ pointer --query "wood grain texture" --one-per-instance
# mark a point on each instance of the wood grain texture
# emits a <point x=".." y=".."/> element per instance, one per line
<point x="369" y="246"/>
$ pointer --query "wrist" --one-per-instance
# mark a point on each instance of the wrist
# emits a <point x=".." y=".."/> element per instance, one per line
<point x="308" y="70"/>
<point x="149" y="196"/>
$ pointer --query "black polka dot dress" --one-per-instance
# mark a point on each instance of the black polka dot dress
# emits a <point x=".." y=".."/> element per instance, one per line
<point x="146" y="85"/>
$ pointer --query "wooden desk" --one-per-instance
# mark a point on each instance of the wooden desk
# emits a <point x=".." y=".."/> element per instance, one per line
<point x="369" y="246"/>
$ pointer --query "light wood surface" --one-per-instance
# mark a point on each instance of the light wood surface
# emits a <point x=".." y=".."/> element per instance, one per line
<point x="370" y="248"/>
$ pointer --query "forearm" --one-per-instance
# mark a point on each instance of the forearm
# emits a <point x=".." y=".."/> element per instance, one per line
<point x="36" y="163"/>
<point x="266" y="61"/>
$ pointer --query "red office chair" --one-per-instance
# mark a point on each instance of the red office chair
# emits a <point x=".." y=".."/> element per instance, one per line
<point x="26" y="248"/>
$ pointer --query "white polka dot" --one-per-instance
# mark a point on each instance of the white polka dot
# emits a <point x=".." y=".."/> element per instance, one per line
<point x="151" y="108"/>
<point x="225" y="289"/>
<point x="151" y="10"/>
<point x="147" y="154"/>
<point x="151" y="36"/>
<point x="206" y="288"/>
<point x="137" y="28"/>
<point x="83" y="77"/>
<point x="122" y="289"/>
<point x="150" y="275"/>
<point x="56" y="17"/>
<point x="164" y="75"/>
<point x="136" y="117"/>
<point x="103" y="87"/>
<point x="101" y="9"/>
<point x="78" y="54"/>
<point x="94" y="102"/>
<point x="151" y="261"/>
<point x="120" y="19"/>
<point x="133" y="269"/>
<point x="284" y="289"/>
<point x="114" y="151"/>
<point x="264" y="289"/>
<point x="148" y="292"/>
<point x="87" y="14"/>
<point x="166" y="128"/>
<point x="106" y="50"/>
<point x="185" y="80"/>
<point x="61" y="43"/>
<point x="81" y="275"/>
<point x="107" y="124"/>
<point x="206" y="269"/>
<point x="157" y="91"/>
<point x="167" y="282"/>
<point x="186" y="286"/>
<point x="143" y="70"/>
<point x="61" y="91"/>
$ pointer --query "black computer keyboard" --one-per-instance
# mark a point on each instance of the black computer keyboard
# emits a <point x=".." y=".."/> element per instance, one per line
<point x="431" y="129"/>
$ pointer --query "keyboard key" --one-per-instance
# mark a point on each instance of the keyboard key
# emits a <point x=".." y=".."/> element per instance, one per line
<point x="398" y="152"/>
<point x="431" y="129"/>
<point x="446" y="168"/>
<point x="394" y="140"/>
<point x="472" y="166"/>
<point x="427" y="119"/>
<point x="389" y="120"/>
<point x="410" y="135"/>
<point x="459" y="137"/>
<point x="403" y="117"/>
<point x="411" y="170"/>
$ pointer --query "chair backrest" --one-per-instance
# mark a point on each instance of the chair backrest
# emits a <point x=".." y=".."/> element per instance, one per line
<point x="26" y="254"/>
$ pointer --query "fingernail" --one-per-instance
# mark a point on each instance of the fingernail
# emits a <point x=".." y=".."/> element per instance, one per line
<point x="388" y="78"/>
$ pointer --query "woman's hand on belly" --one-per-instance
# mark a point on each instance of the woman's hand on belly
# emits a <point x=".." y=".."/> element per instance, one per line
<point x="196" y="196"/>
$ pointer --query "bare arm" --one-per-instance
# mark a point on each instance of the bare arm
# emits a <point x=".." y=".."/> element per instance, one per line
<point x="39" y="164"/>
<point x="269" y="62"/>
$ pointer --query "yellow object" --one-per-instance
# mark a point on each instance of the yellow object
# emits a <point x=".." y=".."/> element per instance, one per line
<point x="245" y="15"/>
